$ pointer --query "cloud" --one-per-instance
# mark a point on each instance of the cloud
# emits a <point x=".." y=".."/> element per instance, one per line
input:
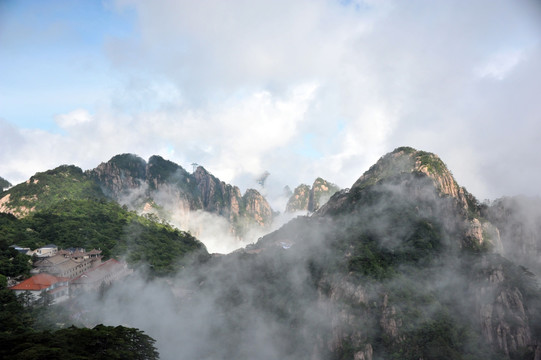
<point x="393" y="73"/>
<point x="499" y="65"/>
<point x="315" y="88"/>
<point x="73" y="118"/>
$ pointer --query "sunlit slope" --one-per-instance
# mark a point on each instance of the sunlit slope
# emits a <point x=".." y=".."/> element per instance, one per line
<point x="47" y="188"/>
<point x="67" y="208"/>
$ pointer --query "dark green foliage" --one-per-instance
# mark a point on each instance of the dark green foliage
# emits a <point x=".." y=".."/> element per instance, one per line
<point x="370" y="256"/>
<point x="474" y="206"/>
<point x="167" y="171"/>
<point x="69" y="209"/>
<point x="19" y="338"/>
<point x="47" y="188"/>
<point x="440" y="337"/>
<point x="162" y="247"/>
<point x="401" y="239"/>
<point x="101" y="342"/>
<point x="406" y="149"/>
<point x="131" y="163"/>
<point x="433" y="163"/>
<point x="4" y="184"/>
<point x="163" y="169"/>
<point x="385" y="229"/>
<point x="387" y="166"/>
<point x="14" y="319"/>
<point x="79" y="223"/>
<point x="101" y="225"/>
<point x="12" y="262"/>
<point x="12" y="232"/>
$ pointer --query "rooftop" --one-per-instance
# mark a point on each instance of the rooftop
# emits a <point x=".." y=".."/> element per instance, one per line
<point x="98" y="273"/>
<point x="38" y="282"/>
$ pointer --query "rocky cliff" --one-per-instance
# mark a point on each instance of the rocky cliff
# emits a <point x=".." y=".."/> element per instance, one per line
<point x="158" y="186"/>
<point x="299" y="199"/>
<point x="306" y="198"/>
<point x="404" y="265"/>
<point x="166" y="188"/>
<point x="120" y="175"/>
<point x="506" y="304"/>
<point x="254" y="206"/>
<point x="407" y="266"/>
<point x="226" y="200"/>
<point x="409" y="160"/>
<point x="400" y="169"/>
<point x="217" y="196"/>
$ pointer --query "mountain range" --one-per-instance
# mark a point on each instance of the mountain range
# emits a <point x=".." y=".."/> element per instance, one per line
<point x="405" y="264"/>
<point x="158" y="186"/>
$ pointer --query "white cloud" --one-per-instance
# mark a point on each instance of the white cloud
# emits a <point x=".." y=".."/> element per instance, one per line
<point x="500" y="64"/>
<point x="73" y="118"/>
<point x="313" y="88"/>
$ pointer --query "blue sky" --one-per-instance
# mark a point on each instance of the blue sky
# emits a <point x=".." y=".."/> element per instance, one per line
<point x="52" y="57"/>
<point x="298" y="88"/>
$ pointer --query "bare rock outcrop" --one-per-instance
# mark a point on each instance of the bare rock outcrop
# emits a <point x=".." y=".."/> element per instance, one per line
<point x="299" y="200"/>
<point x="390" y="323"/>
<point x="120" y="175"/>
<point x="502" y="310"/>
<point x="306" y="198"/>
<point x="217" y="196"/>
<point x="256" y="207"/>
<point x="162" y="185"/>
<point x="347" y="328"/>
<point x="484" y="234"/>
<point x="409" y="160"/>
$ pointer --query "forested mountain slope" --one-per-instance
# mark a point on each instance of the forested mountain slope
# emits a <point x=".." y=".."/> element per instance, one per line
<point x="406" y="264"/>
<point x="401" y="266"/>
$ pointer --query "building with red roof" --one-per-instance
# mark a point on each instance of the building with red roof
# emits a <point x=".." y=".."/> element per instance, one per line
<point x="40" y="284"/>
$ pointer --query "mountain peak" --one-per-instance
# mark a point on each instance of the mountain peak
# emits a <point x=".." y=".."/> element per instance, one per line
<point x="201" y="171"/>
<point x="124" y="160"/>
<point x="306" y="198"/>
<point x="405" y="163"/>
<point x="409" y="160"/>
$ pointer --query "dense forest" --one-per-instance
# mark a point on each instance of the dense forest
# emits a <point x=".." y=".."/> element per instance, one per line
<point x="72" y="212"/>
<point x="26" y="334"/>
<point x="104" y="225"/>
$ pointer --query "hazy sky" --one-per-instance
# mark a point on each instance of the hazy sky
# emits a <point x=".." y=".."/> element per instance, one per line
<point x="300" y="88"/>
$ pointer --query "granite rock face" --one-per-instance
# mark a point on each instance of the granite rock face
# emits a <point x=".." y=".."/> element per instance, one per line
<point x="120" y="175"/>
<point x="401" y="167"/>
<point x="504" y="309"/>
<point x="306" y="198"/>
<point x="163" y="185"/>
<point x="299" y="200"/>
